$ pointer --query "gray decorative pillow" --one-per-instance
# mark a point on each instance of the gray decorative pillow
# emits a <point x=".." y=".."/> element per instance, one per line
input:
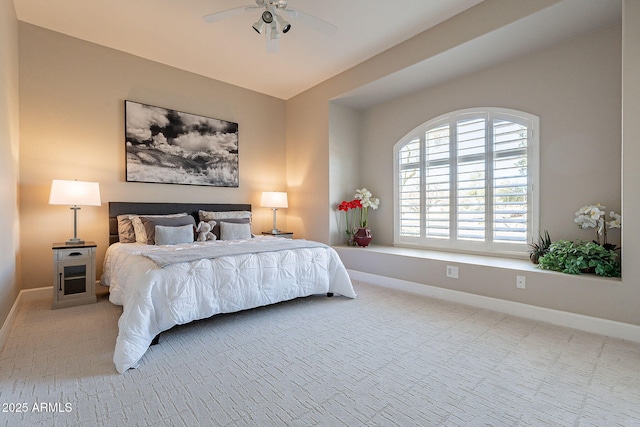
<point x="210" y="216"/>
<point x="173" y="235"/>
<point x="138" y="228"/>
<point x="237" y="217"/>
<point x="149" y="224"/>
<point x="235" y="231"/>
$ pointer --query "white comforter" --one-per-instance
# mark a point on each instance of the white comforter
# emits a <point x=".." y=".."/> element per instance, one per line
<point x="155" y="299"/>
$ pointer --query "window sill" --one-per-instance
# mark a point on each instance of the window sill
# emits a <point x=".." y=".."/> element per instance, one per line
<point x="521" y="265"/>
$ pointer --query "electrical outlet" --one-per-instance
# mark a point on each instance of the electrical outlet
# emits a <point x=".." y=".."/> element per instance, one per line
<point x="452" y="271"/>
<point x="521" y="282"/>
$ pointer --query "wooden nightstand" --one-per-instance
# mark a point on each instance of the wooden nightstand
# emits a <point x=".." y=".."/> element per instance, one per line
<point x="285" y="234"/>
<point x="74" y="274"/>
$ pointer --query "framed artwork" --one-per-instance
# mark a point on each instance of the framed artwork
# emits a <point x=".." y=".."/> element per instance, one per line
<point x="172" y="147"/>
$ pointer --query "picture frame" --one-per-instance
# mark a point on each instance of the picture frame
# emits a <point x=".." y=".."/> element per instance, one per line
<point x="173" y="147"/>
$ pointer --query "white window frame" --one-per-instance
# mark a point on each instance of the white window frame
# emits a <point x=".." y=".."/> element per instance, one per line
<point x="533" y="200"/>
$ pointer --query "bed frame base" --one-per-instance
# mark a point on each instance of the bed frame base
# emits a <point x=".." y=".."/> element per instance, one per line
<point x="156" y="340"/>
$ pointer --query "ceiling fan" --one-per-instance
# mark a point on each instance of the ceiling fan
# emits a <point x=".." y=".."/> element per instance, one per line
<point x="272" y="22"/>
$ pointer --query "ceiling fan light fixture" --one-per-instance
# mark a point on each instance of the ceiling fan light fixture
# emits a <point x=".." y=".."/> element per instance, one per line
<point x="284" y="25"/>
<point x="258" y="26"/>
<point x="267" y="17"/>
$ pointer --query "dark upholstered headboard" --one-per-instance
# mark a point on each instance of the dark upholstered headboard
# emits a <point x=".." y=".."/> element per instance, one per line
<point x="144" y="208"/>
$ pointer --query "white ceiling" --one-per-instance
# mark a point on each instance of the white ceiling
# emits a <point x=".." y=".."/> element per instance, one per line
<point x="562" y="21"/>
<point x="173" y="32"/>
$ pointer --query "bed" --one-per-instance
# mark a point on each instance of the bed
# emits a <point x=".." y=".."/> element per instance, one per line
<point x="164" y="285"/>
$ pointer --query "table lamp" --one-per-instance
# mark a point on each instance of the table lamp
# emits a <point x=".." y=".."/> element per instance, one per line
<point x="75" y="193"/>
<point x="274" y="200"/>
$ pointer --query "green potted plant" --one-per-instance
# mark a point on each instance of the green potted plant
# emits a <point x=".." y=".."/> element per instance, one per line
<point x="539" y="248"/>
<point x="581" y="257"/>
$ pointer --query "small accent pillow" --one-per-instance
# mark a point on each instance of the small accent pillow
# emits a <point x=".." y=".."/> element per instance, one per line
<point x="173" y="235"/>
<point x="235" y="231"/>
<point x="149" y="225"/>
<point x="126" y="234"/>
<point x="138" y="228"/>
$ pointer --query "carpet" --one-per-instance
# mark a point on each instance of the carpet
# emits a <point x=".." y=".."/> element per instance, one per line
<point x="386" y="358"/>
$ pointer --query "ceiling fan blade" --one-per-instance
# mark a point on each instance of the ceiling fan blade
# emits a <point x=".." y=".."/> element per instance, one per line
<point x="316" y="23"/>
<point x="219" y="16"/>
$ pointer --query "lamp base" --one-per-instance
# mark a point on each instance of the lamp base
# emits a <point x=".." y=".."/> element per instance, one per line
<point x="74" y="241"/>
<point x="275" y="231"/>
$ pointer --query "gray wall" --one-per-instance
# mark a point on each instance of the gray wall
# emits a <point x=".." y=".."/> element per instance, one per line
<point x="9" y="219"/>
<point x="577" y="96"/>
<point x="345" y="130"/>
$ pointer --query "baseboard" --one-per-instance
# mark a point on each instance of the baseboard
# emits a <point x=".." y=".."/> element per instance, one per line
<point x="6" y="327"/>
<point x="581" y="322"/>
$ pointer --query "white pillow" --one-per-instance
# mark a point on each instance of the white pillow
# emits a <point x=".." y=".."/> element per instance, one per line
<point x="234" y="231"/>
<point x="174" y="235"/>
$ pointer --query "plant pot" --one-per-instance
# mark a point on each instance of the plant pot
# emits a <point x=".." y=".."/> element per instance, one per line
<point x="363" y="237"/>
<point x="350" y="241"/>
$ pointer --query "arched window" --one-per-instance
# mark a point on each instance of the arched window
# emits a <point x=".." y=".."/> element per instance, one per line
<point x="468" y="180"/>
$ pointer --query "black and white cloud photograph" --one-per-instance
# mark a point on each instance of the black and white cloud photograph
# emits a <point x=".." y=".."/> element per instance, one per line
<point x="172" y="147"/>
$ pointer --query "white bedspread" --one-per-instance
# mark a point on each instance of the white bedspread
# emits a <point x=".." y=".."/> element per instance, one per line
<point x="155" y="299"/>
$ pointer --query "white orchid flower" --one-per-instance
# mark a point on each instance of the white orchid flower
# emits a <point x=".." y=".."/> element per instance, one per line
<point x="594" y="216"/>
<point x="616" y="222"/>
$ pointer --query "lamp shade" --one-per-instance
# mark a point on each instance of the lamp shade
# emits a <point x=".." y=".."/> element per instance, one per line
<point x="274" y="199"/>
<point x="77" y="193"/>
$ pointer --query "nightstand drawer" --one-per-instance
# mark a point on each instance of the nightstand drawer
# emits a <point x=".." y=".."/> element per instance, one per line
<point x="73" y="253"/>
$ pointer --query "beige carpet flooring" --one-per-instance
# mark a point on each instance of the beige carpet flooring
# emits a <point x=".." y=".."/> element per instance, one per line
<point x="386" y="358"/>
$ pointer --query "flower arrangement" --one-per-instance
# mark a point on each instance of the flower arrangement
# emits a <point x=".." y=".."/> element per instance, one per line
<point x="350" y="219"/>
<point x="354" y="220"/>
<point x="367" y="201"/>
<point x="594" y="216"/>
<point x="576" y="257"/>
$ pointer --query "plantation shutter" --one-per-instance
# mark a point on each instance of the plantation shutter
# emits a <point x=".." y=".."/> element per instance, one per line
<point x="437" y="182"/>
<point x="510" y="181"/>
<point x="471" y="179"/>
<point x="465" y="180"/>
<point x="409" y="189"/>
